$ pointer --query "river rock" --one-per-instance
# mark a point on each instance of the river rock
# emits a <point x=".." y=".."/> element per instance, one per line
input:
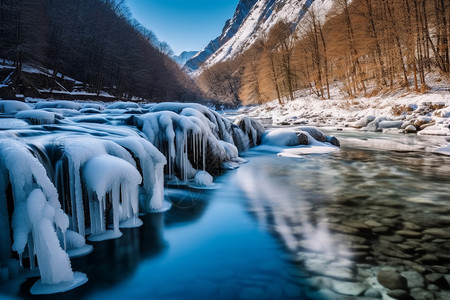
<point x="363" y="122"/>
<point x="372" y="293"/>
<point x="409" y="233"/>
<point x="414" y="279"/>
<point x="429" y="259"/>
<point x="390" y="124"/>
<point x="392" y="280"/>
<point x="422" y="294"/>
<point x="333" y="141"/>
<point x="438" y="232"/>
<point x="347" y="288"/>
<point x="400" y="294"/>
<point x="438" y="280"/>
<point x="314" y="132"/>
<point x="422" y="120"/>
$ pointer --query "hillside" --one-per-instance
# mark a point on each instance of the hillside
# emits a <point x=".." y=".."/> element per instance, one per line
<point x="93" y="41"/>
<point x="361" y="47"/>
<point x="252" y="20"/>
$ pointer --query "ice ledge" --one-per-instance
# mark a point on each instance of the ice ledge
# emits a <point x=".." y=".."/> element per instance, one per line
<point x="40" y="288"/>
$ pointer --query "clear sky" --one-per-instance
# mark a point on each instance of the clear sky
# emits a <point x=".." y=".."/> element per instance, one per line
<point x="183" y="24"/>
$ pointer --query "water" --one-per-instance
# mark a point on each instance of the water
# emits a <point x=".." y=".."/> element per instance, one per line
<point x="318" y="227"/>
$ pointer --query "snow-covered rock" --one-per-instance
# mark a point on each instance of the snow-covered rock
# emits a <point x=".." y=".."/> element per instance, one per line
<point x="12" y="106"/>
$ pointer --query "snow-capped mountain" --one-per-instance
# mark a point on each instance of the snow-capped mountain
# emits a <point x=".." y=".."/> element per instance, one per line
<point x="229" y="30"/>
<point x="252" y="19"/>
<point x="184" y="57"/>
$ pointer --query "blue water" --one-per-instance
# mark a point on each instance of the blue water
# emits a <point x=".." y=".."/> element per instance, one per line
<point x="243" y="241"/>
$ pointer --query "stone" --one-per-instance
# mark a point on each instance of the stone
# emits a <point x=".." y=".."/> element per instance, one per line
<point x="342" y="228"/>
<point x="411" y="226"/>
<point x="314" y="132"/>
<point x="439" y="269"/>
<point x="372" y="293"/>
<point x="392" y="280"/>
<point x="409" y="233"/>
<point x="381" y="229"/>
<point x="302" y="138"/>
<point x="390" y="124"/>
<point x="410" y="129"/>
<point x="438" y="280"/>
<point x="429" y="259"/>
<point x="400" y="294"/>
<point x="372" y="223"/>
<point x="433" y="288"/>
<point x="347" y="288"/>
<point x="333" y="141"/>
<point x="393" y="252"/>
<point x="414" y="279"/>
<point x="422" y="294"/>
<point x="326" y="269"/>
<point x="438" y="232"/>
<point x="356" y="224"/>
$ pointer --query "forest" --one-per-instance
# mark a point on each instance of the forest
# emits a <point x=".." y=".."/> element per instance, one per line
<point x="364" y="47"/>
<point x="95" y="42"/>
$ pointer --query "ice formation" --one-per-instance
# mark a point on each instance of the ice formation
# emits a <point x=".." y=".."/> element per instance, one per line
<point x="37" y="117"/>
<point x="203" y="178"/>
<point x="74" y="173"/>
<point x="298" y="141"/>
<point x="12" y="106"/>
<point x="109" y="178"/>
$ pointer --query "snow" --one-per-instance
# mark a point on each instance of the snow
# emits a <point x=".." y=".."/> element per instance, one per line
<point x="122" y="105"/>
<point x="59" y="104"/>
<point x="36" y="117"/>
<point x="12" y="106"/>
<point x="364" y="112"/>
<point x="296" y="142"/>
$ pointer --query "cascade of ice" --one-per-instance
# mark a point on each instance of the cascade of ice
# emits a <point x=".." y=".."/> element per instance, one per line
<point x="54" y="263"/>
<point x="78" y="151"/>
<point x="151" y="164"/>
<point x="25" y="173"/>
<point x="111" y="179"/>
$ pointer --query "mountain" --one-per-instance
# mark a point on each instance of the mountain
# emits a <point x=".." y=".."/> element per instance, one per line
<point x="184" y="57"/>
<point x="229" y="30"/>
<point x="252" y="20"/>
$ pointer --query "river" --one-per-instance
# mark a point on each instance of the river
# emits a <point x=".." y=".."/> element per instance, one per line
<point x="317" y="227"/>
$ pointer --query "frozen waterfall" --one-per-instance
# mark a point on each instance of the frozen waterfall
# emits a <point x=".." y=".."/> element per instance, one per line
<point x="70" y="171"/>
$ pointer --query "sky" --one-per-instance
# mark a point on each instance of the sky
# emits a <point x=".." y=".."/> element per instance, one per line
<point x="186" y="25"/>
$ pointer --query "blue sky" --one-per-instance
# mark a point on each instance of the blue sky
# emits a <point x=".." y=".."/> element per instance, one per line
<point x="183" y="24"/>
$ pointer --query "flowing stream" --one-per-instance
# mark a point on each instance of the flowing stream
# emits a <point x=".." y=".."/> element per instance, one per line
<point x="316" y="227"/>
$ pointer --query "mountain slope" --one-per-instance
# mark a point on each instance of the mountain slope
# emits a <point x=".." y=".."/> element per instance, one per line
<point x="184" y="57"/>
<point x="252" y="20"/>
<point x="229" y="30"/>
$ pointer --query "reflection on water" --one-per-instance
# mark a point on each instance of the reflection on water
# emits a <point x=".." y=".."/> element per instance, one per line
<point x="280" y="228"/>
<point x="346" y="215"/>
